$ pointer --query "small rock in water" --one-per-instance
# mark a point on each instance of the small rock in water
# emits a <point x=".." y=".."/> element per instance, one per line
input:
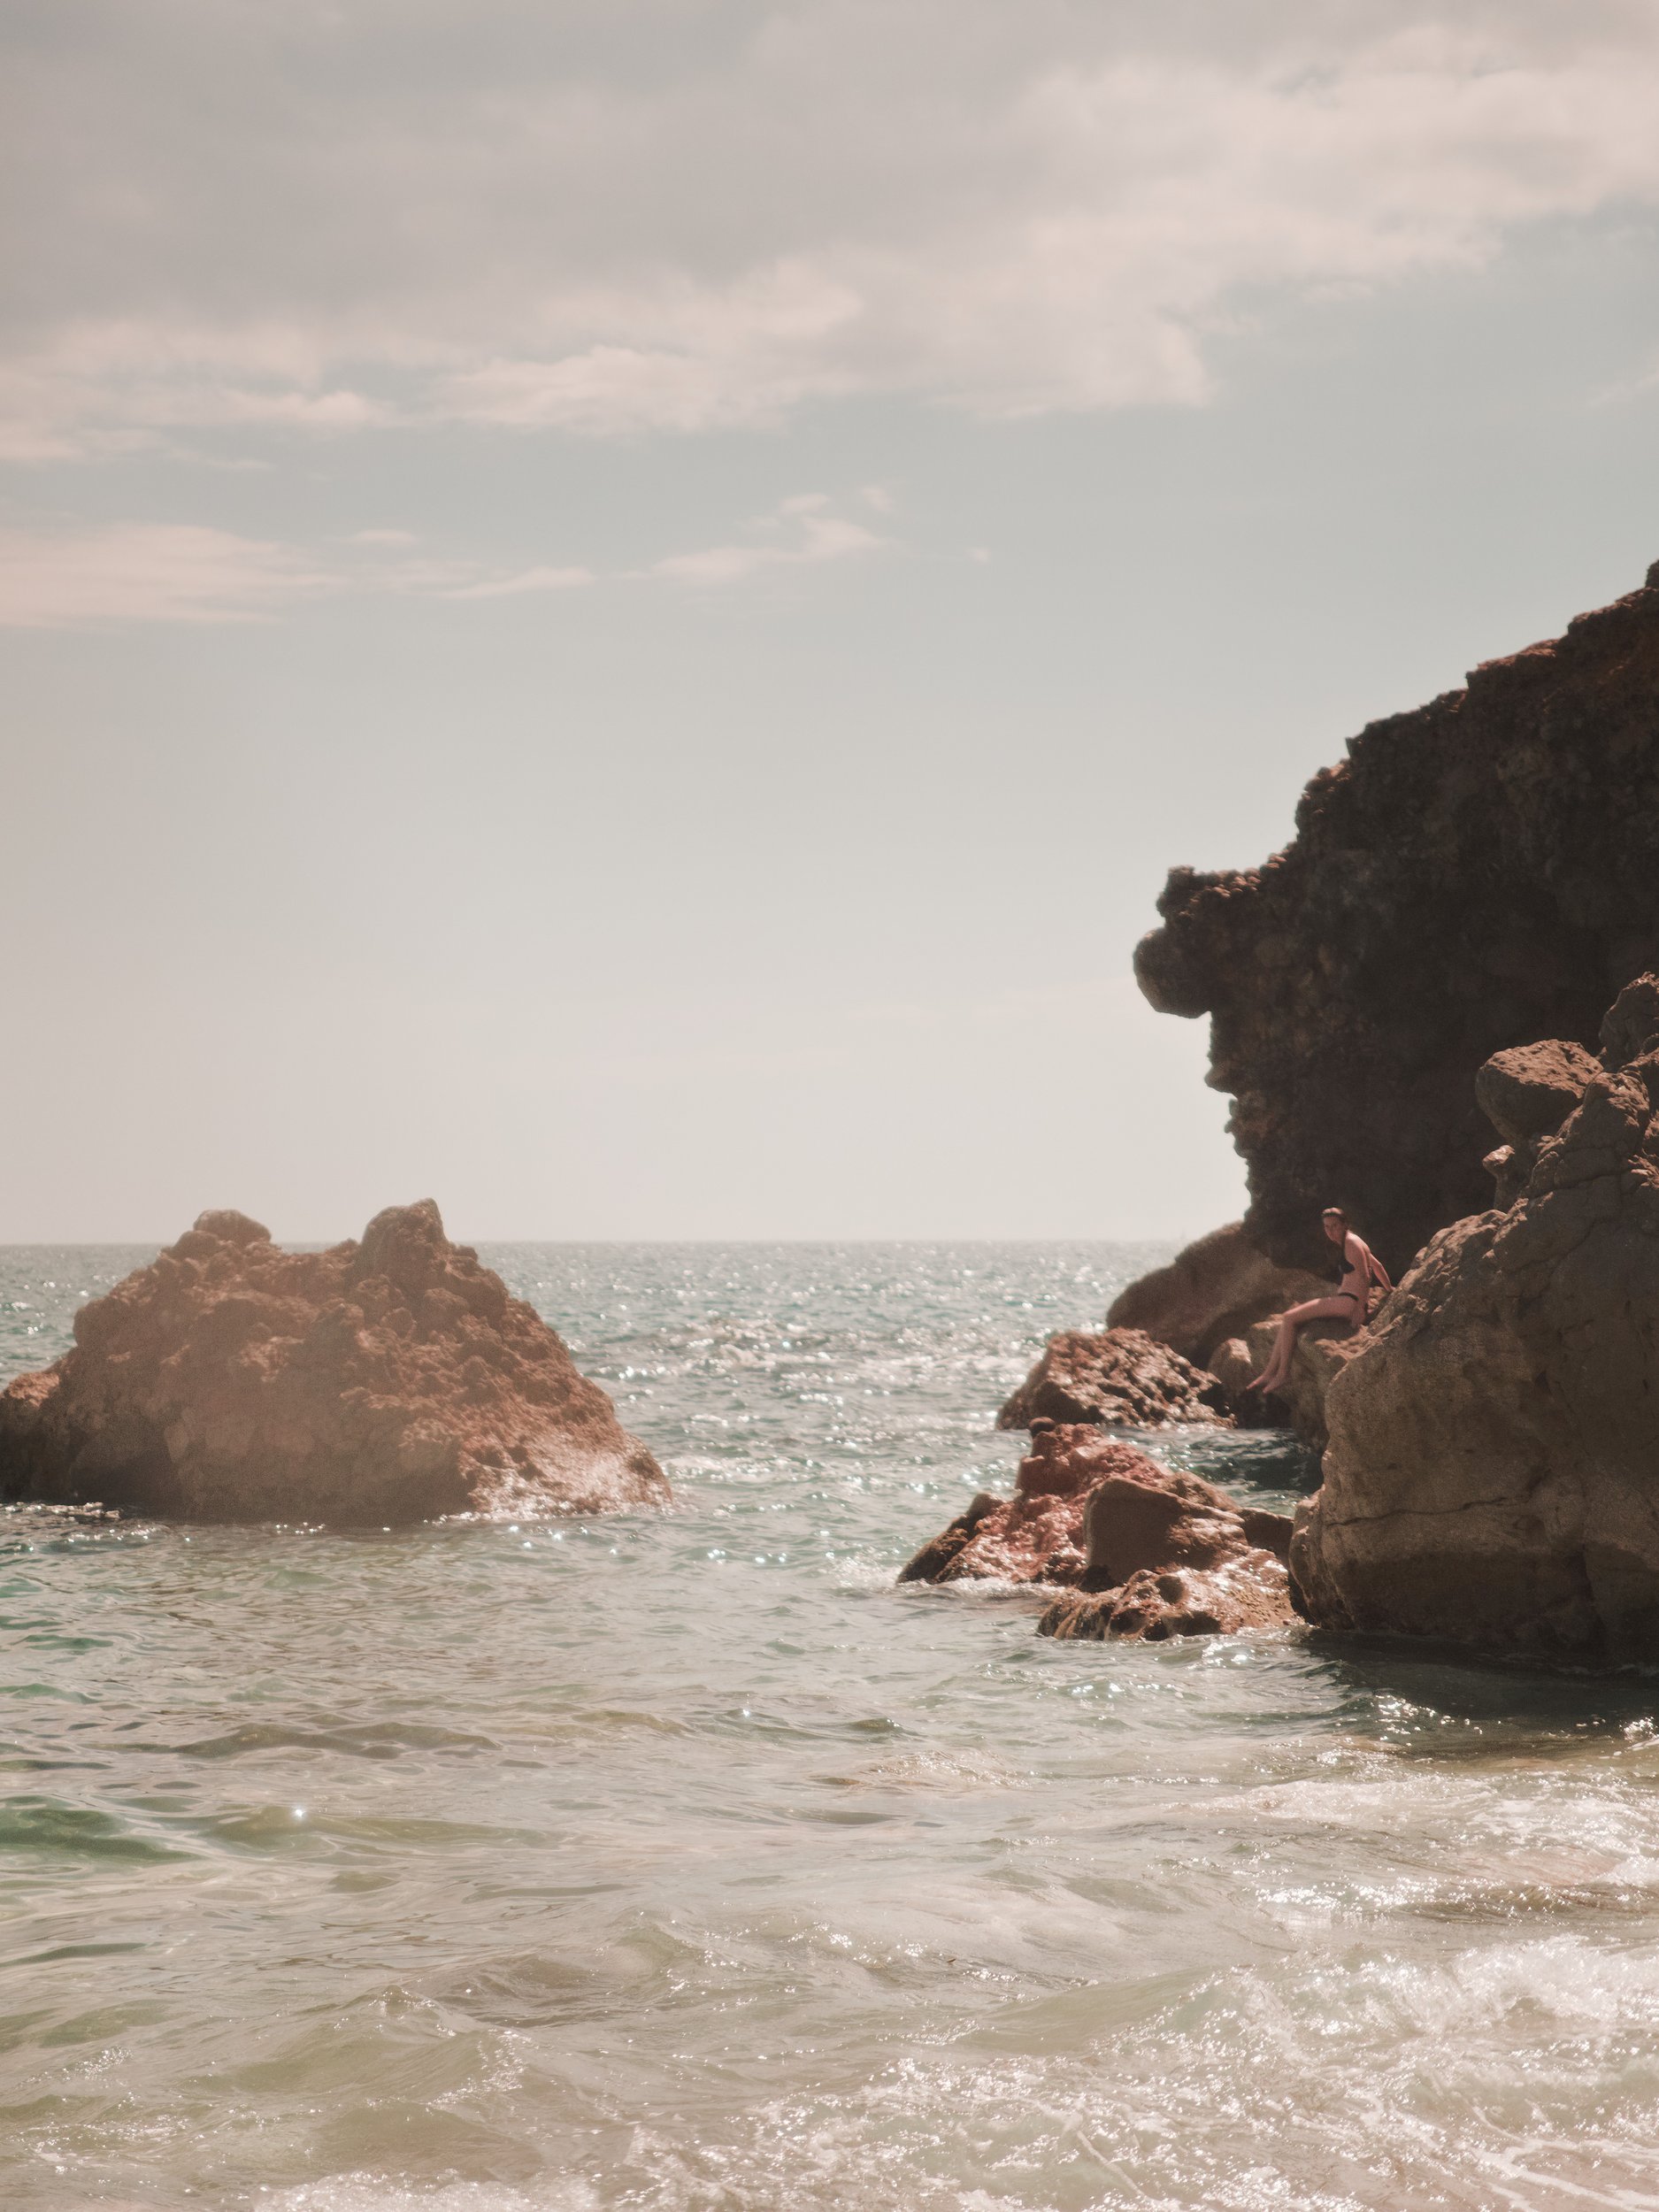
<point x="1095" y="1513"/>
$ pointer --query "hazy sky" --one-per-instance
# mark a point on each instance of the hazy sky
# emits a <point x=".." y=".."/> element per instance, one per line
<point x="613" y="612"/>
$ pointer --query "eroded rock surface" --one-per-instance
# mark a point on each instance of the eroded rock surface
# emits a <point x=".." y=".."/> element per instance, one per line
<point x="1121" y="1379"/>
<point x="390" y="1380"/>
<point x="1145" y="1550"/>
<point x="1493" y="1473"/>
<point x="1214" y="1290"/>
<point x="1475" y="875"/>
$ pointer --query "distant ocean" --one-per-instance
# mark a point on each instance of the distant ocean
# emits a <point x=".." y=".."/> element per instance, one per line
<point x="685" y="1864"/>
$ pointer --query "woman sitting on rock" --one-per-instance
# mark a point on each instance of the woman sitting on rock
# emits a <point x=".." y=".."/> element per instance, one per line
<point x="1351" y="1301"/>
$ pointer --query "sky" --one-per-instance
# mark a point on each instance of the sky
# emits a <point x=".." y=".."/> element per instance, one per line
<point x="613" y="613"/>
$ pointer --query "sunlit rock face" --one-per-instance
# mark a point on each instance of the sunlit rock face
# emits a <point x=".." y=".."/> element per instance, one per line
<point x="1493" y="1471"/>
<point x="387" y="1380"/>
<point x="1475" y="875"/>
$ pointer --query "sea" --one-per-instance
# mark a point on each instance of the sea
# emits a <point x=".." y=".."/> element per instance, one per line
<point x="683" y="1862"/>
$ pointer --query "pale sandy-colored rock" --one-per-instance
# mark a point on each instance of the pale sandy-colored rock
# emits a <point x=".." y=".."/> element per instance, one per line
<point x="390" y="1380"/>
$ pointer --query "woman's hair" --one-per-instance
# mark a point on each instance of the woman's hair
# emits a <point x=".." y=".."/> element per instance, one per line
<point x="1327" y="1212"/>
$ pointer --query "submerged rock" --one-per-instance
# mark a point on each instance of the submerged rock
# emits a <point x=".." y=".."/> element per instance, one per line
<point x="390" y="1380"/>
<point x="1475" y="875"/>
<point x="1122" y="1379"/>
<point x="1213" y="1290"/>
<point x="1146" y="1550"/>
<point x="1490" y="1474"/>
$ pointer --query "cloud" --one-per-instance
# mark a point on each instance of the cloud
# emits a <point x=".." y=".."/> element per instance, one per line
<point x="800" y="533"/>
<point x="529" y="580"/>
<point x="61" y="577"/>
<point x="136" y="572"/>
<point x="611" y="222"/>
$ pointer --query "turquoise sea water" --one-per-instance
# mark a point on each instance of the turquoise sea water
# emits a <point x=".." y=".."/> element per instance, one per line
<point x="683" y="1861"/>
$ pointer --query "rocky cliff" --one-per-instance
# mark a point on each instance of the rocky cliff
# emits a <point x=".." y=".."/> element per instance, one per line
<point x="1475" y="875"/>
<point x="1493" y="1473"/>
<point x="392" y="1379"/>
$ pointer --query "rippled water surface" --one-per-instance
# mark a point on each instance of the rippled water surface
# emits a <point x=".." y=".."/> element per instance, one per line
<point x="683" y="1861"/>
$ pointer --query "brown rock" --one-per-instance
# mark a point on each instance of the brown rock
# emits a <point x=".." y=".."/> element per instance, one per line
<point x="1122" y="1379"/>
<point x="1526" y="1094"/>
<point x="1491" y="1472"/>
<point x="1177" y="1557"/>
<point x="390" y="1380"/>
<point x="1213" y="1290"/>
<point x="1037" y="1534"/>
<point x="1475" y="875"/>
<point x="1105" y="1518"/>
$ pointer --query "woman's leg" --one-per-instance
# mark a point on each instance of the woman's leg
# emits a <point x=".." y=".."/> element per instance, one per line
<point x="1274" y="1374"/>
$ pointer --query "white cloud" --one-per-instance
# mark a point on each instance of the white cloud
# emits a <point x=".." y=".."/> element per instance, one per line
<point x="529" y="580"/>
<point x="135" y="572"/>
<point x="800" y="533"/>
<point x="59" y="577"/>
<point x="614" y="221"/>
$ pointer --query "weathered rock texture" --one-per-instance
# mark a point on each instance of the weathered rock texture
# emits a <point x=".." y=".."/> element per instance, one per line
<point x="1493" y="1473"/>
<point x="392" y="1379"/>
<point x="1214" y="1290"/>
<point x="1475" y="875"/>
<point x="1526" y="1094"/>
<point x="1146" y="1551"/>
<point x="1123" y="1379"/>
<point x="1152" y="1606"/>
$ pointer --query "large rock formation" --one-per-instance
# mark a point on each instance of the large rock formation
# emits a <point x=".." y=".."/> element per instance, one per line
<point x="392" y="1379"/>
<point x="1493" y="1473"/>
<point x="1123" y="1379"/>
<point x="1214" y="1290"/>
<point x="1475" y="875"/>
<point x="1145" y="1550"/>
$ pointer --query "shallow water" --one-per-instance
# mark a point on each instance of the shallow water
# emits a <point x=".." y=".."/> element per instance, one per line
<point x="683" y="1861"/>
